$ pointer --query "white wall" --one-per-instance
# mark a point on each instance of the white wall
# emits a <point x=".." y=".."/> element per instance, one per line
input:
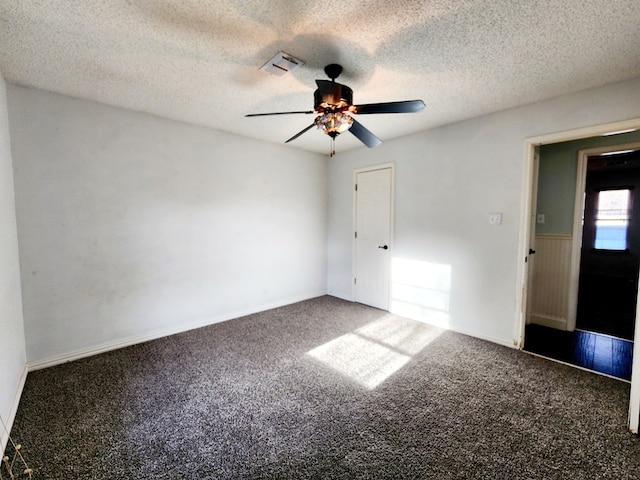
<point x="133" y="226"/>
<point x="12" y="344"/>
<point x="448" y="181"/>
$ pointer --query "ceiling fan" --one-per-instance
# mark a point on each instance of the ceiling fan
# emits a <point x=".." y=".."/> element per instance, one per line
<point x="333" y="103"/>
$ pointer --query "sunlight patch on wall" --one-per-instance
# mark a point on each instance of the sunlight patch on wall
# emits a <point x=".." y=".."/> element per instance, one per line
<point x="374" y="352"/>
<point x="421" y="290"/>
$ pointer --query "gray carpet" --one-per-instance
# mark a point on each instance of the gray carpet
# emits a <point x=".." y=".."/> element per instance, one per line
<point x="323" y="389"/>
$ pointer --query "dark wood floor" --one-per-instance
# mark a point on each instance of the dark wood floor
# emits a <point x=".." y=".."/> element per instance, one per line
<point x="593" y="351"/>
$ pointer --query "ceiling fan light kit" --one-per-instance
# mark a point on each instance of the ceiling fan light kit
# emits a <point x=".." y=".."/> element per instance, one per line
<point x="333" y="124"/>
<point x="334" y="104"/>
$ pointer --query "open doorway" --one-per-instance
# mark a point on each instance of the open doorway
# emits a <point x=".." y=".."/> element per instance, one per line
<point x="584" y="282"/>
<point x="540" y="231"/>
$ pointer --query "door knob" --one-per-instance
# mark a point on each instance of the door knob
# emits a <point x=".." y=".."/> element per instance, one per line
<point x="385" y="247"/>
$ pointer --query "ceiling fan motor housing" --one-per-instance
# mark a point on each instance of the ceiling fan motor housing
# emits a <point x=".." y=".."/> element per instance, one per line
<point x="331" y="96"/>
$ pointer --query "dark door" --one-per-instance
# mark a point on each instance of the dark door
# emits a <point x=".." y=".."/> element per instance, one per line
<point x="610" y="252"/>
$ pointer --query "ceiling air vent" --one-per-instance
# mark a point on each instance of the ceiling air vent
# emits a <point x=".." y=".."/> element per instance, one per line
<point x="281" y="64"/>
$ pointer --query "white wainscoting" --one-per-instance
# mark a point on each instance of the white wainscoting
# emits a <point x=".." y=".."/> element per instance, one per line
<point x="551" y="281"/>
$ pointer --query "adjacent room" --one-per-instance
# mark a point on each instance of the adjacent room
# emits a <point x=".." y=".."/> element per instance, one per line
<point x="312" y="239"/>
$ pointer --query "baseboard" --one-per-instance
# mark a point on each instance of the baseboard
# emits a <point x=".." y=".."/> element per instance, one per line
<point x="4" y="435"/>
<point x="153" y="335"/>
<point x="341" y="295"/>
<point x="487" y="338"/>
<point x="129" y="341"/>
<point x="547" y="321"/>
<point x="441" y="320"/>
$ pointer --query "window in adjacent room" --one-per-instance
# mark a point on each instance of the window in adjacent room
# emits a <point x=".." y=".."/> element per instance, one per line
<point x="612" y="219"/>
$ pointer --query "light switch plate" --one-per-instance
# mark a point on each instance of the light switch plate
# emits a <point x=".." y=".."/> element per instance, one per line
<point x="495" y="218"/>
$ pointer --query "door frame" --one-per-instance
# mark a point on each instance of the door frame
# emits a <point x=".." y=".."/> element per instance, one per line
<point x="532" y="241"/>
<point x="528" y="182"/>
<point x="354" y="202"/>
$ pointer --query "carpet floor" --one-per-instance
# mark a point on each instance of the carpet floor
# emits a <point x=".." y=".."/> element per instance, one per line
<point x="323" y="389"/>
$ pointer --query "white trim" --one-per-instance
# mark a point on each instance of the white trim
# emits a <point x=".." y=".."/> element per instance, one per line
<point x="531" y="259"/>
<point x="341" y="295"/>
<point x="524" y="238"/>
<point x="576" y="244"/>
<point x="548" y="321"/>
<point x="634" y="395"/>
<point x="133" y="340"/>
<point x="591" y="152"/>
<point x="372" y="168"/>
<point x="4" y="436"/>
<point x="434" y="322"/>
<point x="481" y="336"/>
<point x="585" y="132"/>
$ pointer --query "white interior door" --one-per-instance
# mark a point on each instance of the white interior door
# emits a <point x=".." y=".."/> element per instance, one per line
<point x="373" y="237"/>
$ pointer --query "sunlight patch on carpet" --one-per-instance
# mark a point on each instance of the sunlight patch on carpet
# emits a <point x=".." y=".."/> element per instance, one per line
<point x="373" y="353"/>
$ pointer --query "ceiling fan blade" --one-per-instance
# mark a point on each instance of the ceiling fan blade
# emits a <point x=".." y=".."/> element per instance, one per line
<point x="364" y="135"/>
<point x="301" y="132"/>
<point x="275" y="113"/>
<point x="406" y="106"/>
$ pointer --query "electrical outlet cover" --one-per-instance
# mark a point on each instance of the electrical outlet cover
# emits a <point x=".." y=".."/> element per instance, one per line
<point x="495" y="218"/>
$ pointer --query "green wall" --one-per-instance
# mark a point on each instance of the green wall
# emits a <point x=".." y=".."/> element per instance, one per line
<point x="557" y="179"/>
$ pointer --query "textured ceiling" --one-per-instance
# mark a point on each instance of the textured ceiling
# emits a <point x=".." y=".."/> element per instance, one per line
<point x="197" y="60"/>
